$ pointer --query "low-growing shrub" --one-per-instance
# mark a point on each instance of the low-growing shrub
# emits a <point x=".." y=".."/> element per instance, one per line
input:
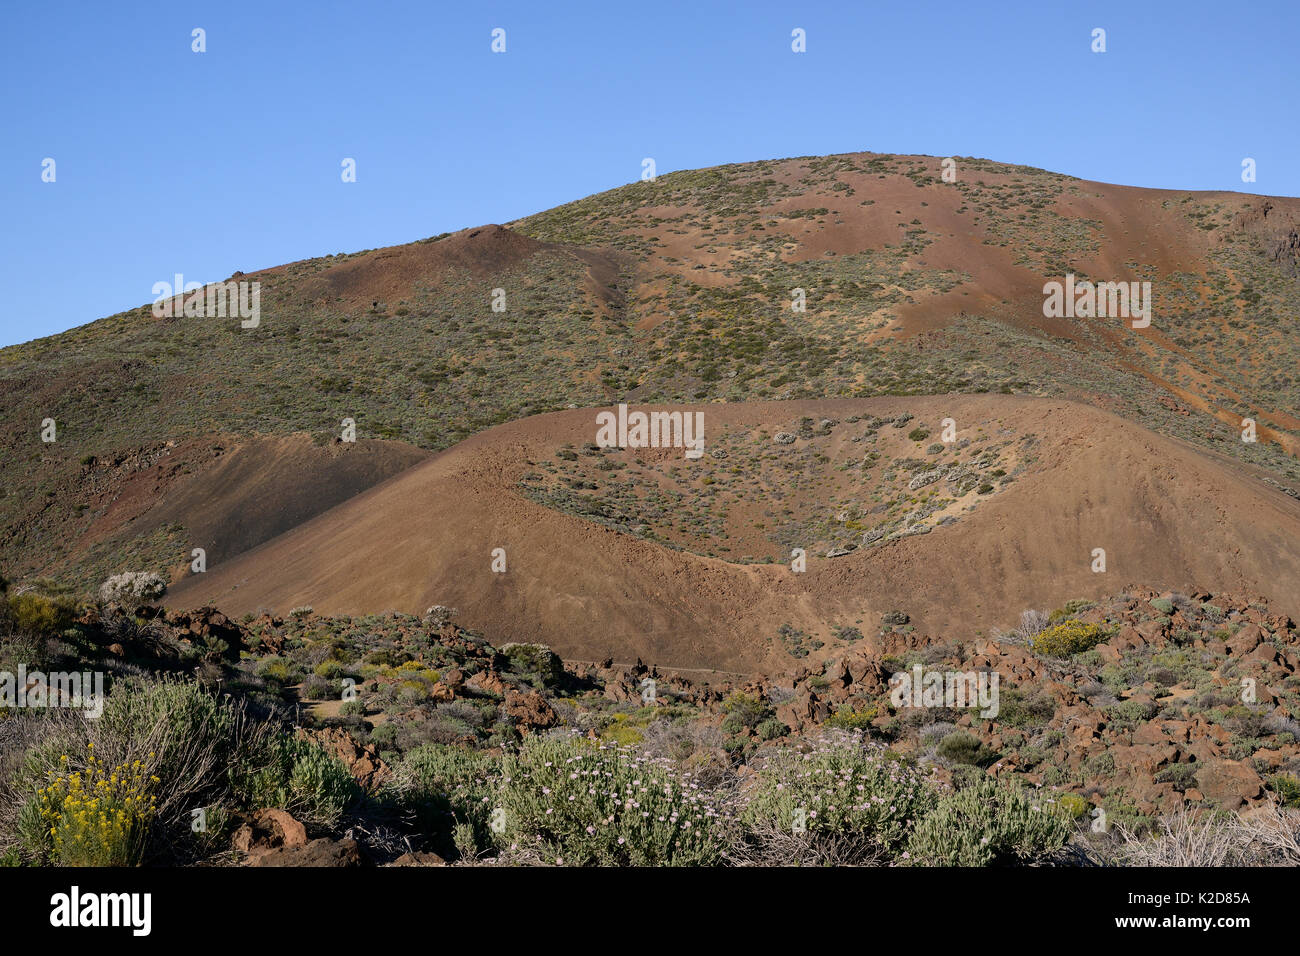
<point x="1132" y="712"/>
<point x="845" y="785"/>
<point x="191" y="741"/>
<point x="1070" y="609"/>
<point x="963" y="747"/>
<point x="302" y="777"/>
<point x="989" y="823"/>
<point x="1067" y="638"/>
<point x="1287" y="788"/>
<point x="849" y="718"/>
<point x="37" y="614"/>
<point x="1181" y="775"/>
<point x="330" y="669"/>
<point x="744" y="712"/>
<point x="621" y="732"/>
<point x="133" y="587"/>
<point x="1073" y="806"/>
<point x="573" y="801"/>
<point x="536" y="659"/>
<point x="450" y="788"/>
<point x="97" y="816"/>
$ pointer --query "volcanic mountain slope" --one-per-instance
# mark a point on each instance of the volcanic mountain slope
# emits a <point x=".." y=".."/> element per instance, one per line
<point x="675" y="290"/>
<point x="956" y="555"/>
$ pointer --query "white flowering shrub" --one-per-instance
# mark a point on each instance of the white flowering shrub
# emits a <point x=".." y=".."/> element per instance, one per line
<point x="133" y="587"/>
<point x="575" y="801"/>
<point x="845" y="785"/>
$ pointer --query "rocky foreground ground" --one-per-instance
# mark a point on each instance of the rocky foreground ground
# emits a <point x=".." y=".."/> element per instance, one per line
<point x="317" y="740"/>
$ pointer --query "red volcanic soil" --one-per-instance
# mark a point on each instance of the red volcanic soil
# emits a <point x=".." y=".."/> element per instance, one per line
<point x="392" y="273"/>
<point x="231" y="494"/>
<point x="1166" y="514"/>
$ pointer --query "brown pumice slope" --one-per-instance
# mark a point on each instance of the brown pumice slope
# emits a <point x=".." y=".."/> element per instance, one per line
<point x="1165" y="513"/>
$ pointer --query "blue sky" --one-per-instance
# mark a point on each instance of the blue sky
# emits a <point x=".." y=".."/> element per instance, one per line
<point x="173" y="161"/>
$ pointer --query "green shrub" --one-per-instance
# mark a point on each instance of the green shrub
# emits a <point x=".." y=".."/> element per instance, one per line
<point x="1099" y="765"/>
<point x="317" y="688"/>
<point x="300" y="777"/>
<point x="1163" y="605"/>
<point x="329" y="669"/>
<point x="621" y="732"/>
<point x="1287" y="788"/>
<point x="1070" y="609"/>
<point x="963" y="747"/>
<point x="1132" y="712"/>
<point x="987" y="824"/>
<point x="538" y="659"/>
<point x="1016" y="710"/>
<point x="442" y="768"/>
<point x="1067" y="638"/>
<point x="743" y="712"/>
<point x="279" y="669"/>
<point x="963" y="775"/>
<point x="570" y="800"/>
<point x="1181" y="775"/>
<point x="317" y="788"/>
<point x="452" y="792"/>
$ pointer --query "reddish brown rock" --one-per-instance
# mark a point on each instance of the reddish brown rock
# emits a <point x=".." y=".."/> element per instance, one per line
<point x="269" y="830"/>
<point x="206" y="627"/>
<point x="1228" y="783"/>
<point x="1150" y="733"/>
<point x="487" y="683"/>
<point x="419" y="858"/>
<point x="531" y="710"/>
<point x="1245" y="640"/>
<point x="364" y="763"/>
<point x="318" y="853"/>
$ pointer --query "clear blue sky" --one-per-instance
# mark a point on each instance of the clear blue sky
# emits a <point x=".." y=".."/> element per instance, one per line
<point x="171" y="161"/>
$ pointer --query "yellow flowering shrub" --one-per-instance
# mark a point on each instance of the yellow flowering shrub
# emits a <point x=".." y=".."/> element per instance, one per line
<point x="1068" y="637"/>
<point x="98" y="816"/>
<point x="1073" y="806"/>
